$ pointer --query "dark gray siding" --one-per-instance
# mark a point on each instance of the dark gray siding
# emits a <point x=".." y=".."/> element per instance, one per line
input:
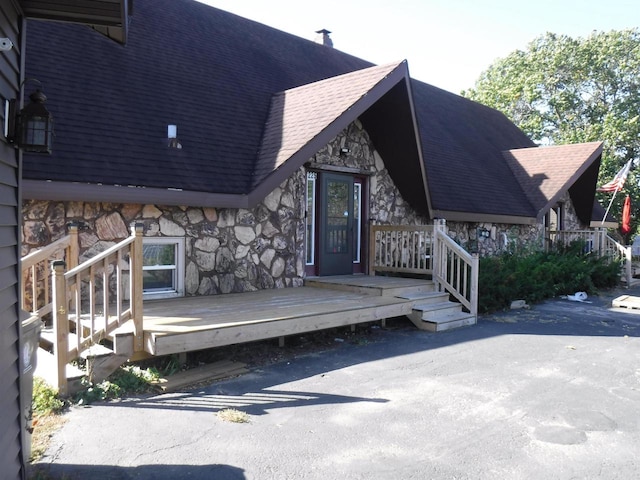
<point x="10" y="443"/>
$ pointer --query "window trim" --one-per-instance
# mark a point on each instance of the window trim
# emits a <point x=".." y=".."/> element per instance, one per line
<point x="178" y="267"/>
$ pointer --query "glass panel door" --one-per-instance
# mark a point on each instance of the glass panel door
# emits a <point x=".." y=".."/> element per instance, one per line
<point x="336" y="229"/>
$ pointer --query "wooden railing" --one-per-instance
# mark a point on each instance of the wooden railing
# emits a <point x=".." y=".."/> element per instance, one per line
<point x="37" y="297"/>
<point x="401" y="249"/>
<point x="456" y="271"/>
<point x="95" y="312"/>
<point x="598" y="243"/>
<point x="426" y="250"/>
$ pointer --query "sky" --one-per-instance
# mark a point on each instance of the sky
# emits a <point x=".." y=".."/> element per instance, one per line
<point x="448" y="43"/>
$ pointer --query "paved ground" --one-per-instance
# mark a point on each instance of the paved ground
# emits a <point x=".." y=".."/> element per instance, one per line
<point x="547" y="393"/>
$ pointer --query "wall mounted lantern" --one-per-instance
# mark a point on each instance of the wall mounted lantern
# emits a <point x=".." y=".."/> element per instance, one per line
<point x="483" y="233"/>
<point x="33" y="129"/>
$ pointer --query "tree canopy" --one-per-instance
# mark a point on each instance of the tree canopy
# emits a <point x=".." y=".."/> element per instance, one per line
<point x="570" y="90"/>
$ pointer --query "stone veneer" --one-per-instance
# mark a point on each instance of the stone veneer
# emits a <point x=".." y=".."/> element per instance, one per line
<point x="508" y="237"/>
<point x="227" y="250"/>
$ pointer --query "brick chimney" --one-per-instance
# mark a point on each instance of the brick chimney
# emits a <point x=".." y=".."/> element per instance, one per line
<point x="323" y="38"/>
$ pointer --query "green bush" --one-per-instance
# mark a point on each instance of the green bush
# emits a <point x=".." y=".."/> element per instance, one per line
<point x="45" y="398"/>
<point x="536" y="276"/>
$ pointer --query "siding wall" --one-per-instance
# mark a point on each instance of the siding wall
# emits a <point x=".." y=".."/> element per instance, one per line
<point x="10" y="442"/>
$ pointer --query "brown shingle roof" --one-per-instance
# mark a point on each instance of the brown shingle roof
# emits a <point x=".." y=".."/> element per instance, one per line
<point x="545" y="173"/>
<point x="300" y="114"/>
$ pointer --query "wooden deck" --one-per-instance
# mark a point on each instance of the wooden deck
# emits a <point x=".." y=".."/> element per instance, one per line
<point x="195" y="323"/>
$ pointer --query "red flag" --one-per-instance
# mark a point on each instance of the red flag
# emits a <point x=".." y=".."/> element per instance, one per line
<point x="626" y="216"/>
<point x="618" y="181"/>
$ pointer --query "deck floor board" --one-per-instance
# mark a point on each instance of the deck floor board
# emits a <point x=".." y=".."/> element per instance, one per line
<point x="189" y="323"/>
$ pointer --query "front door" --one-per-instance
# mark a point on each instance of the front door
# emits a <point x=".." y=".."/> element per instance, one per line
<point x="336" y="232"/>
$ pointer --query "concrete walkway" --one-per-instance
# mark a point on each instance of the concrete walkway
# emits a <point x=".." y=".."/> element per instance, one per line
<point x="547" y="393"/>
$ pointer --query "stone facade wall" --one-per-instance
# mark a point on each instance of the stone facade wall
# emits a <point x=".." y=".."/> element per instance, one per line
<point x="496" y="238"/>
<point x="226" y="250"/>
<point x="386" y="205"/>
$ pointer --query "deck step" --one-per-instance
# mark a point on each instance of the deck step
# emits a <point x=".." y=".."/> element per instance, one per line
<point x="373" y="285"/>
<point x="441" y="316"/>
<point x="424" y="298"/>
<point x="462" y="319"/>
<point x="434" y="311"/>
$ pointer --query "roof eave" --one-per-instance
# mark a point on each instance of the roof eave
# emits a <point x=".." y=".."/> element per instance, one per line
<point x="87" y="192"/>
<point x="473" y="217"/>
<point x="109" y="17"/>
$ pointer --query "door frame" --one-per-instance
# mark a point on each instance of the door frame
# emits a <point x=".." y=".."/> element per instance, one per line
<point x="314" y="215"/>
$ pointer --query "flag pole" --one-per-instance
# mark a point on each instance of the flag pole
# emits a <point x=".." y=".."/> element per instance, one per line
<point x="609" y="207"/>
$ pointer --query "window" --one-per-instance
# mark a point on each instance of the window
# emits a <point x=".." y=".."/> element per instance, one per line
<point x="311" y="218"/>
<point x="163" y="267"/>
<point x="357" y="208"/>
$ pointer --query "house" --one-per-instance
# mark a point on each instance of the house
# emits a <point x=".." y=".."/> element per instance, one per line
<point x="255" y="158"/>
<point x="15" y="393"/>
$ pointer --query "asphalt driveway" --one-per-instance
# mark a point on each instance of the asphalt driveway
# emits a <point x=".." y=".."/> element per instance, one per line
<point x="547" y="393"/>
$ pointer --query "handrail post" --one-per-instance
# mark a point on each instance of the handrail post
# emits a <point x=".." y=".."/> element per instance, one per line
<point x="475" y="271"/>
<point x="135" y="270"/>
<point x="372" y="250"/>
<point x="60" y="324"/>
<point x="74" y="246"/>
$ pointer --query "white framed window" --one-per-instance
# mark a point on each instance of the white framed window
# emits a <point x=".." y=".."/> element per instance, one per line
<point x="311" y="218"/>
<point x="163" y="267"/>
<point x="357" y="208"/>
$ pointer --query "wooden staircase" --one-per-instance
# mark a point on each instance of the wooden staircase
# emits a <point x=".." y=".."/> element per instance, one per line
<point x="434" y="312"/>
<point x="431" y="310"/>
<point x="84" y="312"/>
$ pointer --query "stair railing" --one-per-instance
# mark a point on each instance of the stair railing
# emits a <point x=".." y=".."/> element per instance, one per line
<point x="94" y="320"/>
<point x="37" y="296"/>
<point x="426" y="250"/>
<point x="455" y="270"/>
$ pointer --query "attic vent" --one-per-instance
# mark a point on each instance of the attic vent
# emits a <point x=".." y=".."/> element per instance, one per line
<point x="323" y="38"/>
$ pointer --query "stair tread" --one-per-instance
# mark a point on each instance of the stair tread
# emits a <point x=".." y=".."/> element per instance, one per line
<point x="449" y="318"/>
<point x="436" y="306"/>
<point x="96" y="350"/>
<point x="422" y="295"/>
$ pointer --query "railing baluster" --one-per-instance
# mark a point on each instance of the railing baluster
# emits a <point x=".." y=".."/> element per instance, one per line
<point x="92" y="299"/>
<point x="105" y="292"/>
<point x="119" y="280"/>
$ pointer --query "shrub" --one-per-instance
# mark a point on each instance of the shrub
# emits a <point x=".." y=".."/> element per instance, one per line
<point x="536" y="276"/>
<point x="45" y="398"/>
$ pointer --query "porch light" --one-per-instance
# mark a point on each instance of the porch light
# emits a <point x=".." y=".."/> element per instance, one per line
<point x="34" y="130"/>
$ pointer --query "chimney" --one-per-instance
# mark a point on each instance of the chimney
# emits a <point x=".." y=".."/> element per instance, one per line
<point x="323" y="38"/>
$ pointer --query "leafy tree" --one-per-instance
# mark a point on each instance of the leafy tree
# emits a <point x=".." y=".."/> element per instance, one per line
<point x="565" y="90"/>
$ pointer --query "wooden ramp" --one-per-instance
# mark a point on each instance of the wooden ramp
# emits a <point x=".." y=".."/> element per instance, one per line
<point x="196" y="323"/>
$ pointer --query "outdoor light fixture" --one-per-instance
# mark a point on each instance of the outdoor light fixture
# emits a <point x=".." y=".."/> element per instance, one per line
<point x="33" y="128"/>
<point x="483" y="233"/>
<point x="344" y="151"/>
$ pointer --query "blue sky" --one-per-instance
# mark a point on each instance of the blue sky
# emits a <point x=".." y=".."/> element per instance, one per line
<point x="448" y="43"/>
